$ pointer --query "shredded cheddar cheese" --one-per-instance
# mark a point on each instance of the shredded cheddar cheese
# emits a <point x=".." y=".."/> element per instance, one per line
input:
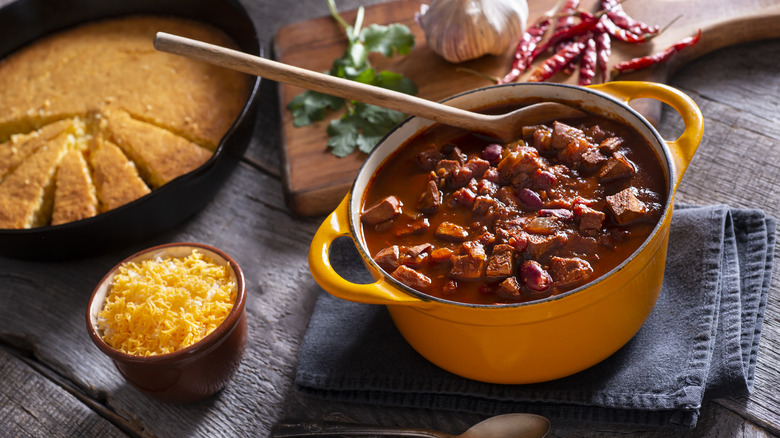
<point x="162" y="305"/>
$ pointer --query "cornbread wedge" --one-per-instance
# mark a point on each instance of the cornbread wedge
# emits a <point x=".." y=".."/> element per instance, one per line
<point x="79" y="70"/>
<point x="159" y="154"/>
<point x="74" y="193"/>
<point x="21" y="146"/>
<point x="116" y="178"/>
<point x="26" y="194"/>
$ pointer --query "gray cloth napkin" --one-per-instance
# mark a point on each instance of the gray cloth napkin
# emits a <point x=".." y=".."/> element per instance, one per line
<point x="700" y="342"/>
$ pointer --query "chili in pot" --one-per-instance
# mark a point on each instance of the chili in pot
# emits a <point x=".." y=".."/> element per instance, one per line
<point x="457" y="217"/>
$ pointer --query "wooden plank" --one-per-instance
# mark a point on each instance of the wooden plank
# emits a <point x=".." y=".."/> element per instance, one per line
<point x="42" y="305"/>
<point x="32" y="405"/>
<point x="315" y="181"/>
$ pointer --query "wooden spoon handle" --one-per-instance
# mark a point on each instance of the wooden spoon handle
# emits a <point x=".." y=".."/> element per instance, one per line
<point x="320" y="82"/>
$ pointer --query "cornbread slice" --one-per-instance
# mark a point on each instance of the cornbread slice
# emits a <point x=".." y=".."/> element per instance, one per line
<point x="116" y="178"/>
<point x="114" y="61"/>
<point x="26" y="194"/>
<point x="21" y="146"/>
<point x="159" y="154"/>
<point x="74" y="193"/>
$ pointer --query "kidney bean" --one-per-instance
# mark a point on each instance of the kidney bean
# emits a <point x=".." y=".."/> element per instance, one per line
<point x="544" y="179"/>
<point x="492" y="153"/>
<point x="560" y="213"/>
<point x="530" y="198"/>
<point x="534" y="277"/>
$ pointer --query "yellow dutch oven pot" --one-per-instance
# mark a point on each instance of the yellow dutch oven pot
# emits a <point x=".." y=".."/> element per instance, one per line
<point x="539" y="340"/>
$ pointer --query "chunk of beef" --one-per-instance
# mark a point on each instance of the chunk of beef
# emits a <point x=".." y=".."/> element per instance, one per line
<point x="563" y="134"/>
<point x="577" y="244"/>
<point x="572" y="153"/>
<point x="477" y="166"/>
<point x="450" y="231"/>
<point x="409" y="225"/>
<point x="445" y="169"/>
<point x="412" y="278"/>
<point x="464" y="196"/>
<point x="610" y="145"/>
<point x="428" y="159"/>
<point x="453" y="152"/>
<point x="571" y="271"/>
<point x="520" y="163"/>
<point x="540" y="246"/>
<point x="625" y="207"/>
<point x="616" y="167"/>
<point x="430" y="199"/>
<point x="510" y="289"/>
<point x="394" y="256"/>
<point x="483" y="205"/>
<point x="469" y="262"/>
<point x="382" y="211"/>
<point x="592" y="158"/>
<point x="501" y="262"/>
<point x="486" y="187"/>
<point x="589" y="219"/>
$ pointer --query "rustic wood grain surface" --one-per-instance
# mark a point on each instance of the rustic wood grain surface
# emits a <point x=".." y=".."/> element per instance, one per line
<point x="54" y="382"/>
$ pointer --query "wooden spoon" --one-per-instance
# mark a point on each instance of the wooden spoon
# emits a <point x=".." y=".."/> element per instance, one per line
<point x="518" y="425"/>
<point x="505" y="127"/>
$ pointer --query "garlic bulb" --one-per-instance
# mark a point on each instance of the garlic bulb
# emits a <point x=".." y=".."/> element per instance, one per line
<point x="460" y="30"/>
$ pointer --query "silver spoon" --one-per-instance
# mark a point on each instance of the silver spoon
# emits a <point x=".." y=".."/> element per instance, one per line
<point x="500" y="426"/>
<point x="506" y="127"/>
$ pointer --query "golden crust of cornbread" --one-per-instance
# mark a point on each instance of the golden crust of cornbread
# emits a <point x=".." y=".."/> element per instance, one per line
<point x="114" y="62"/>
<point x="158" y="116"/>
<point x="159" y="154"/>
<point x="25" y="194"/>
<point x="116" y="178"/>
<point x="74" y="193"/>
<point x="21" y="146"/>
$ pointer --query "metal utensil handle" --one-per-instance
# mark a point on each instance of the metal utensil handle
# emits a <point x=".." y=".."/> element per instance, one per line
<point x="320" y="428"/>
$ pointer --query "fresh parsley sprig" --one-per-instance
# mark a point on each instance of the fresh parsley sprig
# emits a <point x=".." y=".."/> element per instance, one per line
<point x="362" y="125"/>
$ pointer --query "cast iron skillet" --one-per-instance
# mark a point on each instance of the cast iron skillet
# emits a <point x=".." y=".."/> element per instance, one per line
<point x="25" y="21"/>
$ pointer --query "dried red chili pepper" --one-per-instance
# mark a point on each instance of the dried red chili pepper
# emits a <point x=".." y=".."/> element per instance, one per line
<point x="587" y="22"/>
<point x="663" y="56"/>
<point x="588" y="62"/>
<point x="525" y="48"/>
<point x="559" y="60"/>
<point x="618" y="15"/>
<point x="625" y="35"/>
<point x="566" y="19"/>
<point x="603" y="52"/>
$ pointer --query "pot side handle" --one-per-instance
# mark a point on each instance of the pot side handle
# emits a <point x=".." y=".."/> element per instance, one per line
<point x="683" y="147"/>
<point x="380" y="292"/>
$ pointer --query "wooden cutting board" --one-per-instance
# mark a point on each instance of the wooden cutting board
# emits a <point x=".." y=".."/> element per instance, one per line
<point x="315" y="181"/>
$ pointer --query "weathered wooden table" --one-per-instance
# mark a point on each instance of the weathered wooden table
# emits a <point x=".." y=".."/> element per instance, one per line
<point x="54" y="382"/>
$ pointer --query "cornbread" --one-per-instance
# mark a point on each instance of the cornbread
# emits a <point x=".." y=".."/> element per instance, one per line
<point x="159" y="154"/>
<point x="26" y="194"/>
<point x="158" y="116"/>
<point x="21" y="146"/>
<point x="74" y="193"/>
<point x="162" y="305"/>
<point x="116" y="178"/>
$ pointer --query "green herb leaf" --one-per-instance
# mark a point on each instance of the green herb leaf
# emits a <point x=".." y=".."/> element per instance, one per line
<point x="363" y="125"/>
<point x="310" y="106"/>
<point x="388" y="39"/>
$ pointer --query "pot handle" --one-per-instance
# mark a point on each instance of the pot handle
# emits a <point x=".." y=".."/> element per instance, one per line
<point x="380" y="292"/>
<point x="685" y="146"/>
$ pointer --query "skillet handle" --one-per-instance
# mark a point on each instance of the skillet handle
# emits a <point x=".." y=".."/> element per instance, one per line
<point x="380" y="292"/>
<point x="683" y="148"/>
